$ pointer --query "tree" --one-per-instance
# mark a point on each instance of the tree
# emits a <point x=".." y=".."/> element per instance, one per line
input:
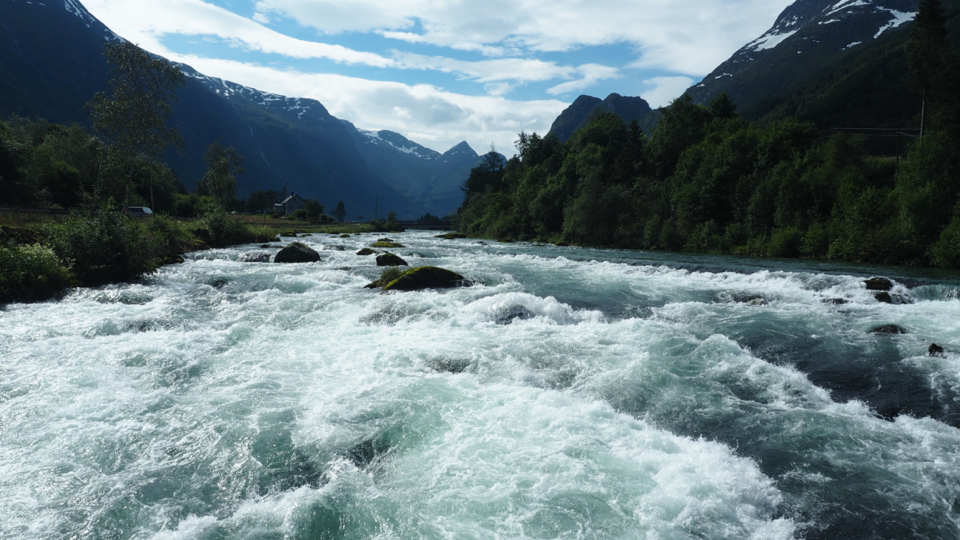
<point x="220" y="180"/>
<point x="132" y="119"/>
<point x="927" y="49"/>
<point x="314" y="210"/>
<point x="340" y="211"/>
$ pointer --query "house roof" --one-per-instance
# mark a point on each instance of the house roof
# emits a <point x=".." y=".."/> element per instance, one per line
<point x="292" y="197"/>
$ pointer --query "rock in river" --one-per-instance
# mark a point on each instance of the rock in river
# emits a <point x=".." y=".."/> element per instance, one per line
<point x="389" y="259"/>
<point x="297" y="253"/>
<point x="422" y="277"/>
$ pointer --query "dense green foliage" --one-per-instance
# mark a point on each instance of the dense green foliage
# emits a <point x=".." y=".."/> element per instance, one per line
<point x="31" y="272"/>
<point x="709" y="181"/>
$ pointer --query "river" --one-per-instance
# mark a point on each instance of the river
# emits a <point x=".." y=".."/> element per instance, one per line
<point x="569" y="393"/>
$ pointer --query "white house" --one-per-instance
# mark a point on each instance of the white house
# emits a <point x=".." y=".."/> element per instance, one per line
<point x="290" y="205"/>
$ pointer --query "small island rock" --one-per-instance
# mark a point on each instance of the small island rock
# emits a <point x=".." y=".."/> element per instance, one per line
<point x="936" y="351"/>
<point x="297" y="253"/>
<point x="367" y="251"/>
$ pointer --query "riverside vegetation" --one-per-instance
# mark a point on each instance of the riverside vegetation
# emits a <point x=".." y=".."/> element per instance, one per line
<point x="708" y="181"/>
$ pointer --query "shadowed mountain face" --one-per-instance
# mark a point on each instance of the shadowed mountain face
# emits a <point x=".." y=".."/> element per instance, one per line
<point x="809" y="38"/>
<point x="417" y="172"/>
<point x="586" y="108"/>
<point x="52" y="63"/>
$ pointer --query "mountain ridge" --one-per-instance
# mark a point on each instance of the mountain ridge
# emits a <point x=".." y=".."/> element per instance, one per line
<point x="826" y="30"/>
<point x="289" y="144"/>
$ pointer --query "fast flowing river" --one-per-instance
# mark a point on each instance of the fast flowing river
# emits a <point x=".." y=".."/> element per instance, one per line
<point x="570" y="393"/>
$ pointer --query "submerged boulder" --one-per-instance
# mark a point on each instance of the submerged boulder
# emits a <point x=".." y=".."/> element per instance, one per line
<point x="936" y="351"/>
<point x="878" y="284"/>
<point x="749" y="299"/>
<point x="367" y="251"/>
<point x="389" y="259"/>
<point x="419" y="278"/>
<point x="883" y="297"/>
<point x="451" y="236"/>
<point x="297" y="253"/>
<point x="253" y="257"/>
<point x="509" y="314"/>
<point x="888" y="329"/>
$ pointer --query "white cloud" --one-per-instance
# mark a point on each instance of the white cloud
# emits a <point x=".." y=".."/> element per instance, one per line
<point x="590" y="73"/>
<point x="690" y="37"/>
<point x="145" y="22"/>
<point x="426" y="114"/>
<point x="662" y="90"/>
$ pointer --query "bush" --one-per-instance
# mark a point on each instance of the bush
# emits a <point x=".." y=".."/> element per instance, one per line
<point x="785" y="242"/>
<point x="105" y="247"/>
<point x="31" y="272"/>
<point x="169" y="237"/>
<point x="945" y="252"/>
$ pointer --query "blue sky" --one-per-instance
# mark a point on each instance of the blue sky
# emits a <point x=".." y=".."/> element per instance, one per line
<point x="443" y="71"/>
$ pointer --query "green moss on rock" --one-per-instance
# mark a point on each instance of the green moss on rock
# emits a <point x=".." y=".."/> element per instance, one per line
<point x="420" y="278"/>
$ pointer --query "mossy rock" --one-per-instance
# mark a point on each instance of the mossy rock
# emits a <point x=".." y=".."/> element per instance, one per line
<point x="344" y="236"/>
<point x="289" y="233"/>
<point x="420" y="278"/>
<point x="367" y="251"/>
<point x="386" y="244"/>
<point x="389" y="259"/>
<point x="451" y="236"/>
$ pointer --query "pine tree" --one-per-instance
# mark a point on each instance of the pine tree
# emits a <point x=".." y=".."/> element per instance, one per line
<point x="928" y="45"/>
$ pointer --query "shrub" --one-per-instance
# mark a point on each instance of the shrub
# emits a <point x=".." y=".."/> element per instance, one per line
<point x="105" y="246"/>
<point x="945" y="252"/>
<point x="785" y="242"/>
<point x="31" y="272"/>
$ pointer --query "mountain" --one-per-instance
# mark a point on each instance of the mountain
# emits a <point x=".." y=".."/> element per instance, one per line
<point x="417" y="172"/>
<point x="52" y="63"/>
<point x="810" y="39"/>
<point x="586" y="108"/>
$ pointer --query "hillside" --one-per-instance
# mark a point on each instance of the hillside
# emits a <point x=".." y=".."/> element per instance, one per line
<point x="52" y="63"/>
<point x="586" y="108"/>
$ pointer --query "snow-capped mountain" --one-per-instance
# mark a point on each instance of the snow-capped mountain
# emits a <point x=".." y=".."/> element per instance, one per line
<point x="807" y="37"/>
<point x="52" y="63"/>
<point x="417" y="171"/>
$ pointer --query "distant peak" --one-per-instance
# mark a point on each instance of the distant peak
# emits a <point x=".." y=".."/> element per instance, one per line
<point x="462" y="148"/>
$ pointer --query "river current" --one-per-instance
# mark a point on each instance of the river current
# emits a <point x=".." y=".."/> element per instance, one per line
<point x="569" y="393"/>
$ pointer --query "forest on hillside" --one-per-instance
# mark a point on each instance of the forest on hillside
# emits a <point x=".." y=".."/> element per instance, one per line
<point x="708" y="181"/>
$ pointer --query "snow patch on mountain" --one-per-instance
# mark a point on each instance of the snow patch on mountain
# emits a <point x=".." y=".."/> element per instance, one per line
<point x="399" y="143"/>
<point x="845" y="4"/>
<point x="76" y="8"/>
<point x="899" y="17"/>
<point x="769" y="41"/>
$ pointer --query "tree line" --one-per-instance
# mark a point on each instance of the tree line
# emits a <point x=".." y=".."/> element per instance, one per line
<point x="708" y="181"/>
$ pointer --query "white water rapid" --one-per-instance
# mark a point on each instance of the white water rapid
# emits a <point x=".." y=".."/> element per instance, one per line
<point x="570" y="393"/>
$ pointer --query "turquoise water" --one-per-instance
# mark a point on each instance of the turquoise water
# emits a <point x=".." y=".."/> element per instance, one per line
<point x="570" y="393"/>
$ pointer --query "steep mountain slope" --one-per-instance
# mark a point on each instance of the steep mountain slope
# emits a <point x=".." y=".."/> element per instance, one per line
<point x="808" y="38"/>
<point x="52" y="63"/>
<point x="586" y="108"/>
<point x="415" y="171"/>
<point x="869" y="89"/>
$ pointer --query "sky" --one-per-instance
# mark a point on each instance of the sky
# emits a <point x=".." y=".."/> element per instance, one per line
<point x="444" y="71"/>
